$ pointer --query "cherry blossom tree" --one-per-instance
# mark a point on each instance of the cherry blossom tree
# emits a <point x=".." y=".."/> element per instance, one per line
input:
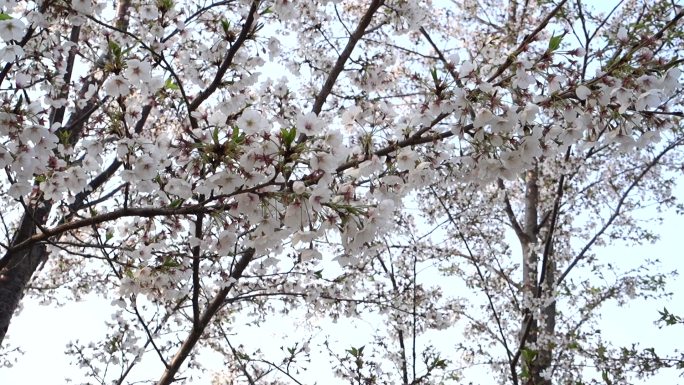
<point x="208" y="164"/>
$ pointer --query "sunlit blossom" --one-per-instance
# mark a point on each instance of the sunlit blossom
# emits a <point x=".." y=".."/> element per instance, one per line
<point x="117" y="86"/>
<point x="252" y="122"/>
<point x="12" y="29"/>
<point x="309" y="124"/>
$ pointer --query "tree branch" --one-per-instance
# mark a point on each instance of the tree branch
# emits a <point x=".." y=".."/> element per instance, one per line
<point x="214" y="306"/>
<point x="344" y="56"/>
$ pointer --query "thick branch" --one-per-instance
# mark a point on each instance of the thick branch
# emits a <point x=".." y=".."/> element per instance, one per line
<point x="227" y="60"/>
<point x="344" y="56"/>
<point x="19" y="263"/>
<point x="214" y="306"/>
<point x="528" y="39"/>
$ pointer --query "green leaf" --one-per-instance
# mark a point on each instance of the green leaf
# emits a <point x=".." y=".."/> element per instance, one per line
<point x="555" y="42"/>
<point x="176" y="203"/>
<point x="356" y="352"/>
<point x="524" y="373"/>
<point x="169" y="84"/>
<point x="288" y="135"/>
<point x="668" y="318"/>
<point x="214" y="135"/>
<point x="64" y="137"/>
<point x="606" y="379"/>
<point x="225" y="25"/>
<point x="170" y="263"/>
<point x="529" y="355"/>
<point x="433" y="72"/>
<point x="318" y="274"/>
<point x="601" y="351"/>
<point x="4" y="16"/>
<point x="164" y="5"/>
<point x="237" y="137"/>
<point x="109" y="235"/>
<point x="115" y="49"/>
<point x="283" y="134"/>
<point x="439" y="363"/>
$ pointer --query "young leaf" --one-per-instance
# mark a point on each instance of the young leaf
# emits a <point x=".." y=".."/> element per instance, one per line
<point x="176" y="203"/>
<point x="171" y="85"/>
<point x="214" y="136"/>
<point x="555" y="42"/>
<point x="529" y="355"/>
<point x="225" y="25"/>
<point x="606" y="379"/>
<point x="115" y="49"/>
<point x="288" y="135"/>
<point x="170" y="264"/>
<point x="164" y="5"/>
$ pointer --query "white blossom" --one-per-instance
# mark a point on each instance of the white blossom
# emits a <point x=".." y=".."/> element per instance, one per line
<point x="582" y="92"/>
<point x="298" y="187"/>
<point x="145" y="167"/>
<point x="252" y="122"/>
<point x="622" y="34"/>
<point x="117" y="86"/>
<point x="12" y="29"/>
<point x="137" y="71"/>
<point x="309" y="124"/>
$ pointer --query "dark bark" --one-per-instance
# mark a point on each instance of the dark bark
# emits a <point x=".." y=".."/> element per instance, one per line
<point x="535" y="324"/>
<point x="20" y="266"/>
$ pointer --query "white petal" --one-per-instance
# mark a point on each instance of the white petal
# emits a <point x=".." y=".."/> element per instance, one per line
<point x="582" y="92"/>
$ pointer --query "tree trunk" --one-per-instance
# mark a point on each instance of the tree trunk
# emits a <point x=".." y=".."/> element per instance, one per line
<point x="541" y="324"/>
<point x="19" y="266"/>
